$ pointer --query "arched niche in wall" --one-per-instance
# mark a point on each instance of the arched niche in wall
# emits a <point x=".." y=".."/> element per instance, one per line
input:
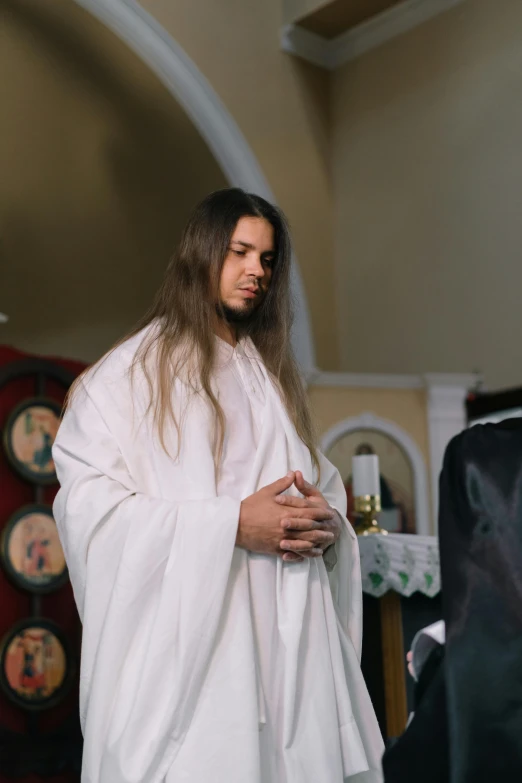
<point x="403" y="470"/>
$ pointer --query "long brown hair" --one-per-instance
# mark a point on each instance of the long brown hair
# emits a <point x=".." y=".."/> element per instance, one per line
<point x="184" y="312"/>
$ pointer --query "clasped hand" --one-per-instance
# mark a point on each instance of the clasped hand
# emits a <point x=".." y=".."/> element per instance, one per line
<point x="276" y="524"/>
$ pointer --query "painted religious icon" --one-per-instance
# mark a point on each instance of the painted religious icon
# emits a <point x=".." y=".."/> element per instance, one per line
<point x="35" y="666"/>
<point x="31" y="551"/>
<point x="396" y="476"/>
<point x="28" y="439"/>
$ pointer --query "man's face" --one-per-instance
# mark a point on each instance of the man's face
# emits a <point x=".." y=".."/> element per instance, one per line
<point x="247" y="269"/>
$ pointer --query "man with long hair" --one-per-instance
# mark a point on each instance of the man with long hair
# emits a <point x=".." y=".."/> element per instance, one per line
<point x="215" y="575"/>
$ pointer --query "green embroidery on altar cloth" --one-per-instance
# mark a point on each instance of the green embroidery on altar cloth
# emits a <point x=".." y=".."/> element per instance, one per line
<point x="376" y="579"/>
<point x="404" y="579"/>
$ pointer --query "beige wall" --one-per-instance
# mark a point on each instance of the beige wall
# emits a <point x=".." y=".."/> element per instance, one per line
<point x="428" y="188"/>
<point x="405" y="407"/>
<point x="296" y="9"/>
<point x="281" y="105"/>
<point x="99" y="168"/>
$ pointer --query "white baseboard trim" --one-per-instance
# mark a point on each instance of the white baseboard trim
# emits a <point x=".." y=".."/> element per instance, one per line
<point x="365" y="380"/>
<point x="390" y="381"/>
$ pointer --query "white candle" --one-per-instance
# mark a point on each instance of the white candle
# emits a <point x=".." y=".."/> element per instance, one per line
<point x="365" y="472"/>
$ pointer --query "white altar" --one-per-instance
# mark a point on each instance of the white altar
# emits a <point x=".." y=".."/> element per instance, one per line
<point x="394" y="567"/>
<point x="403" y="563"/>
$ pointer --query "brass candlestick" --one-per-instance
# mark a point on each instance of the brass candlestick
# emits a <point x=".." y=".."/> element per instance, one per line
<point x="367" y="507"/>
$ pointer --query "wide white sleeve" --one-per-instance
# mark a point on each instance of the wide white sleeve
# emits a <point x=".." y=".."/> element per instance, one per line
<point x="149" y="577"/>
<point x="345" y="577"/>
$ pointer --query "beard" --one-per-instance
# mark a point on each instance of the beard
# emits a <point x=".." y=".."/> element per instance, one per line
<point x="242" y="316"/>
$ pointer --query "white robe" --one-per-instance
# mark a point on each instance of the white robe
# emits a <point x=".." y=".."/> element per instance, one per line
<point x="170" y="678"/>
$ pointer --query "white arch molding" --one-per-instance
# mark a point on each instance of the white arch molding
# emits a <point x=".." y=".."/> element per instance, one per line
<point x="369" y="421"/>
<point x="174" y="68"/>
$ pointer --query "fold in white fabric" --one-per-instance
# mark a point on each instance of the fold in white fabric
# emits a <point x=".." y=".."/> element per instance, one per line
<point x="424" y="642"/>
<point x="173" y="683"/>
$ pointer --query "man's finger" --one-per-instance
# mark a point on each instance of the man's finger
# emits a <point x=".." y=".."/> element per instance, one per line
<point x="288" y="500"/>
<point x="282" y="484"/>
<point x="296" y="545"/>
<point x="316" y="552"/>
<point x="291" y="523"/>
<point x="302" y="548"/>
<point x="315" y="536"/>
<point x="292" y="557"/>
<point x="304" y="487"/>
<point x="314" y="512"/>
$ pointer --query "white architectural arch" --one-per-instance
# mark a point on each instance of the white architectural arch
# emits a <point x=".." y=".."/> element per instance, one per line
<point x="164" y="56"/>
<point x="369" y="421"/>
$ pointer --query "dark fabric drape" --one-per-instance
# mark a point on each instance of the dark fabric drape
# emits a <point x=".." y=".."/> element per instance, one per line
<point x="481" y="569"/>
<point x="421" y="754"/>
<point x="470" y="713"/>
